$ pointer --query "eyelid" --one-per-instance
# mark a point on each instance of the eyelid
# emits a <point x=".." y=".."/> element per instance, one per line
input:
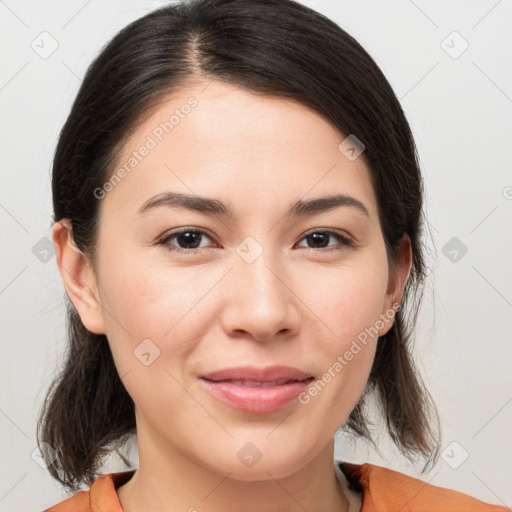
<point x="182" y="229"/>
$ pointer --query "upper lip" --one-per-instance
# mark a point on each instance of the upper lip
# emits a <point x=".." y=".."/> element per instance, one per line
<point x="251" y="373"/>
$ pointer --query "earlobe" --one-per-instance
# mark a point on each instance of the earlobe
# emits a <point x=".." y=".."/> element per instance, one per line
<point x="78" y="277"/>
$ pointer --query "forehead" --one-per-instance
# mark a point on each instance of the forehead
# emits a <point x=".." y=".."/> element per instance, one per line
<point x="217" y="139"/>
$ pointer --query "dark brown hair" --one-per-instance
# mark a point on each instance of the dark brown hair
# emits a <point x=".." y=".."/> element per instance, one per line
<point x="272" y="47"/>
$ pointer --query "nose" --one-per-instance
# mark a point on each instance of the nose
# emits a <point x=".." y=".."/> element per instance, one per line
<point x="260" y="302"/>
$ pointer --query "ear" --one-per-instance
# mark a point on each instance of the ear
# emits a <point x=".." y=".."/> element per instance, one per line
<point x="396" y="283"/>
<point x="78" y="278"/>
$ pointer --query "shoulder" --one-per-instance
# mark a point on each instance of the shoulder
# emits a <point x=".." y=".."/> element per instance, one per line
<point x="385" y="489"/>
<point x="102" y="496"/>
<point x="77" y="503"/>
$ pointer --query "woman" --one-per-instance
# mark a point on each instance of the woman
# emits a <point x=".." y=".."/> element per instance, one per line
<point x="238" y="219"/>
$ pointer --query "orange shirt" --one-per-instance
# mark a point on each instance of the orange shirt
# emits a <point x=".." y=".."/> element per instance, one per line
<point x="383" y="490"/>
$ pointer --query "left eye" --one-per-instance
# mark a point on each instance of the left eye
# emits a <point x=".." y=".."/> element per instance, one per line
<point x="189" y="240"/>
<point x="319" y="237"/>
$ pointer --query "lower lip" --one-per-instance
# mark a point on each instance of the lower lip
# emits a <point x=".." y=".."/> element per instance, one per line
<point x="256" y="399"/>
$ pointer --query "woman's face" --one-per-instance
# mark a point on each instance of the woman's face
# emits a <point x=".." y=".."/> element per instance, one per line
<point x="266" y="285"/>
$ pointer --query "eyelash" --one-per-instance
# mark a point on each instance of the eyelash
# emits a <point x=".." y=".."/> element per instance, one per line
<point x="345" y="241"/>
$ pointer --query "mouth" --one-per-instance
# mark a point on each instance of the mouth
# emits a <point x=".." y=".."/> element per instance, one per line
<point x="275" y="375"/>
<point x="262" y="384"/>
<point x="257" y="390"/>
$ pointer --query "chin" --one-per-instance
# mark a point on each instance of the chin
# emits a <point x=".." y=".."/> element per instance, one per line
<point x="251" y="464"/>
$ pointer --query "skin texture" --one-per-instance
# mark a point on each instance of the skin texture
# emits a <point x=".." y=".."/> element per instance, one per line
<point x="209" y="309"/>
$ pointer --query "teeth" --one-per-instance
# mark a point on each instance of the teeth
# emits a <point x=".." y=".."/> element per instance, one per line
<point x="251" y="383"/>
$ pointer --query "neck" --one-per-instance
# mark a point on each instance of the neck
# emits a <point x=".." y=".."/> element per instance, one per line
<point x="168" y="481"/>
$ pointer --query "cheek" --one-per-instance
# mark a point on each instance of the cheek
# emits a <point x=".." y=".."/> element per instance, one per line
<point x="151" y="326"/>
<point x="164" y="305"/>
<point x="349" y="308"/>
<point x="151" y="300"/>
<point x="348" y="301"/>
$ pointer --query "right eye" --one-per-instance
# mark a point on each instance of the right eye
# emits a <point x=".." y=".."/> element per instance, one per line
<point x="185" y="238"/>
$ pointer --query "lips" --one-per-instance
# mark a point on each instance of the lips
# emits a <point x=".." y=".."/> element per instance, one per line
<point x="256" y="390"/>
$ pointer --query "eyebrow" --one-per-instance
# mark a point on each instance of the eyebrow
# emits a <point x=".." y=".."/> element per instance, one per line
<point x="210" y="206"/>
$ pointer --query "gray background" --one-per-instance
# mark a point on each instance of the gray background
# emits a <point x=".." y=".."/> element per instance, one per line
<point x="459" y="103"/>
